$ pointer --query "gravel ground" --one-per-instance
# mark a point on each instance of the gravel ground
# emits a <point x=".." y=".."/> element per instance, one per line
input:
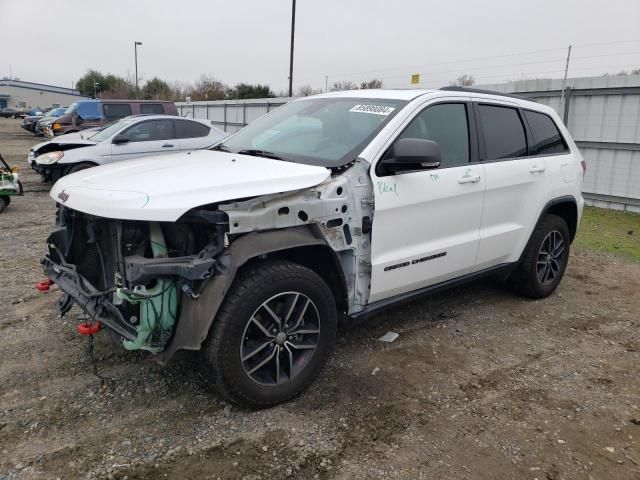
<point x="480" y="384"/>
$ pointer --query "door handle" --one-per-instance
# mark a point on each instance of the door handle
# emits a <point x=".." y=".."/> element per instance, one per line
<point x="167" y="145"/>
<point x="536" y="169"/>
<point x="469" y="179"/>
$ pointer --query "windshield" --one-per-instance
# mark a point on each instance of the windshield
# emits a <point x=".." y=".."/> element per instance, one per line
<point x="110" y="129"/>
<point x="327" y="132"/>
<point x="72" y="108"/>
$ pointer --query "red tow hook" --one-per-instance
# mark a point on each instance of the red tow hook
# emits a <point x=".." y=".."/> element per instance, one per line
<point x="86" y="328"/>
<point x="44" y="285"/>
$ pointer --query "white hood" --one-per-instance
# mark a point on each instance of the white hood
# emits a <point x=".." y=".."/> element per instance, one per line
<point x="164" y="188"/>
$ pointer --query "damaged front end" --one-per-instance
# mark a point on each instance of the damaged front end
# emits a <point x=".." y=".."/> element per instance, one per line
<point x="131" y="276"/>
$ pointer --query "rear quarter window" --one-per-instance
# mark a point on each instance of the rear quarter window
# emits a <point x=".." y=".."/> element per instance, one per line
<point x="189" y="129"/>
<point x="547" y="139"/>
<point x="151" y="108"/>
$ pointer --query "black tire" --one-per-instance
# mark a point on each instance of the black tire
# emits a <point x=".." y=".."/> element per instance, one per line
<point x="77" y="167"/>
<point x="7" y="200"/>
<point x="539" y="272"/>
<point x="257" y="285"/>
<point x="3" y="203"/>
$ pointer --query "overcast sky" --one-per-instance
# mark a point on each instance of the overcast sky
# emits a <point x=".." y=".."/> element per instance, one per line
<point x="56" y="41"/>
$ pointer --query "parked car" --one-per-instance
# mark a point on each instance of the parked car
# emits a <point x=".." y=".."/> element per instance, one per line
<point x="329" y="208"/>
<point x="95" y="113"/>
<point x="131" y="137"/>
<point x="47" y="119"/>
<point x="32" y="112"/>
<point x="10" y="112"/>
<point x="30" y="122"/>
<point x="10" y="184"/>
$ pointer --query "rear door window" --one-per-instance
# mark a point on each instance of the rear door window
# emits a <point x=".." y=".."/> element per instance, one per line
<point x="151" y="108"/>
<point x="151" y="130"/>
<point x="115" y="111"/>
<point x="189" y="129"/>
<point x="504" y="134"/>
<point x="547" y="139"/>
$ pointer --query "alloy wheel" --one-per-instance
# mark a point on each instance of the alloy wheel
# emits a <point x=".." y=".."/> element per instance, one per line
<point x="280" y="338"/>
<point x="550" y="257"/>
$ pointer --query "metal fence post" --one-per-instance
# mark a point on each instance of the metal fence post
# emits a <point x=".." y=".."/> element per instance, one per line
<point x="244" y="114"/>
<point x="224" y="123"/>
<point x="208" y="111"/>
<point x="567" y="101"/>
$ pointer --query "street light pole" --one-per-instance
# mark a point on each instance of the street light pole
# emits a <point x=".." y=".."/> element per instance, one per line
<point x="293" y="29"/>
<point x="135" y="49"/>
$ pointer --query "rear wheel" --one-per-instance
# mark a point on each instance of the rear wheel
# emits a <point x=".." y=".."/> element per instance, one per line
<point x="4" y="201"/>
<point x="544" y="260"/>
<point x="272" y="336"/>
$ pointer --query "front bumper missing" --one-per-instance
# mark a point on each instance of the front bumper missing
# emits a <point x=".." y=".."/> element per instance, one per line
<point x="93" y="302"/>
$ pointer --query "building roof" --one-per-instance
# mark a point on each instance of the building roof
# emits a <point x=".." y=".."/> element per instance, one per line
<point x="39" y="86"/>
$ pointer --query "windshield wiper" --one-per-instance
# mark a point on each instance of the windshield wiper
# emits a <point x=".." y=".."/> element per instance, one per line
<point x="260" y="153"/>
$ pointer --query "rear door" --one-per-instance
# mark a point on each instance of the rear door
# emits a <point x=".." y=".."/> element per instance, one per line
<point x="426" y="223"/>
<point x="192" y="135"/>
<point x="149" y="137"/>
<point x="517" y="184"/>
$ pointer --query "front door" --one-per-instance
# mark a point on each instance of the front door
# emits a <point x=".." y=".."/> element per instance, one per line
<point x="151" y="137"/>
<point x="426" y="223"/>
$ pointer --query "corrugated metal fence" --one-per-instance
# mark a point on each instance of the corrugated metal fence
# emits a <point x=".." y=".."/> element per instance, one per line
<point x="602" y="114"/>
<point x="230" y="115"/>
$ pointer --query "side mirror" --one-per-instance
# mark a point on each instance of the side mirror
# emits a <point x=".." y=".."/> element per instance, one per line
<point x="120" y="139"/>
<point x="414" y="154"/>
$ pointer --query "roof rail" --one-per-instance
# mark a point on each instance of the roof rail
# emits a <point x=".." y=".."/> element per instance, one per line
<point x="454" y="88"/>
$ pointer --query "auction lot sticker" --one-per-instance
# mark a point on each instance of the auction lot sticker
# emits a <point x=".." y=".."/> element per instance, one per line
<point x="374" y="109"/>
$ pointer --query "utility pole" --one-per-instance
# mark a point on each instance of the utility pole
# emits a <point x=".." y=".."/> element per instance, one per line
<point x="326" y="83"/>
<point x="293" y="30"/>
<point x="135" y="50"/>
<point x="564" y="80"/>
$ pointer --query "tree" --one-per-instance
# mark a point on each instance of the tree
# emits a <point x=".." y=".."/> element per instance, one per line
<point x="86" y="83"/>
<point x="464" y="81"/>
<point x="207" y="88"/>
<point x="245" y="90"/>
<point x="375" y="83"/>
<point x="306" y="90"/>
<point x="157" y="89"/>
<point x="343" y="85"/>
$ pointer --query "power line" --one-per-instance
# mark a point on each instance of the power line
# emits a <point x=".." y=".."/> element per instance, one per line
<point x="531" y="52"/>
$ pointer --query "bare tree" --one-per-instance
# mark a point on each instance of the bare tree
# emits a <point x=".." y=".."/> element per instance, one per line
<point x="343" y="85"/>
<point x="375" y="83"/>
<point x="307" y="90"/>
<point x="207" y="88"/>
<point x="464" y="81"/>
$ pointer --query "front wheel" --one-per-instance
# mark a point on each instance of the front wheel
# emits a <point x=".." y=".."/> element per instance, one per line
<point x="544" y="260"/>
<point x="272" y="335"/>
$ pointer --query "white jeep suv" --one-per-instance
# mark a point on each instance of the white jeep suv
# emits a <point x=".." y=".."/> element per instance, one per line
<point x="329" y="208"/>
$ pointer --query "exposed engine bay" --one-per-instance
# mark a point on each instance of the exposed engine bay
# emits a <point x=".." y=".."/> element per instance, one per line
<point x="156" y="286"/>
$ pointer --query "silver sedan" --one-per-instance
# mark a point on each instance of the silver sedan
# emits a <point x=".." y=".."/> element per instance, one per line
<point x="131" y="137"/>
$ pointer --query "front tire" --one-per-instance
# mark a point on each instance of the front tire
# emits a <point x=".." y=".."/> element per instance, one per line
<point x="272" y="335"/>
<point x="544" y="260"/>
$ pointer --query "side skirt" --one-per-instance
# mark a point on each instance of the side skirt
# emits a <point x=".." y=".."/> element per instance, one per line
<point x="503" y="270"/>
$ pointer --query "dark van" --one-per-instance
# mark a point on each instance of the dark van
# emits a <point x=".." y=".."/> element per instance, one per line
<point x="96" y="113"/>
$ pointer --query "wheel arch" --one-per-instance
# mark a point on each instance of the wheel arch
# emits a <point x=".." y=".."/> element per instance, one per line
<point x="299" y="245"/>
<point x="565" y="207"/>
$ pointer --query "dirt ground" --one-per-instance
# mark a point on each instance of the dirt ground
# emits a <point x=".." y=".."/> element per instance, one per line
<point x="480" y="384"/>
